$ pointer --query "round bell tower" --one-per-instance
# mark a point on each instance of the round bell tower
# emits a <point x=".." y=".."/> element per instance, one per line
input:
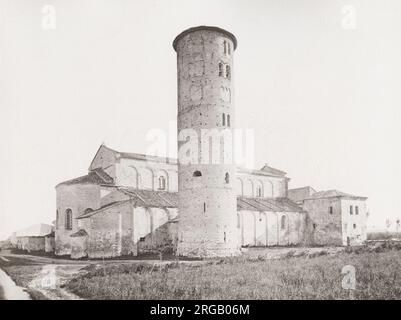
<point x="207" y="206"/>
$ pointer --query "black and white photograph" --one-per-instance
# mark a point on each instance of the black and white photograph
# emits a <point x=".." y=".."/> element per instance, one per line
<point x="183" y="150"/>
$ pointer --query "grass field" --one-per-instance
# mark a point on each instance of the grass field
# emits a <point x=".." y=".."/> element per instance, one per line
<point x="384" y="235"/>
<point x="377" y="277"/>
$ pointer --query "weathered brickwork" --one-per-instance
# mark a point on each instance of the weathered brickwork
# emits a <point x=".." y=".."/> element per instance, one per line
<point x="76" y="199"/>
<point x="354" y="226"/>
<point x="331" y="221"/>
<point x="324" y="227"/>
<point x="271" y="228"/>
<point x="206" y="225"/>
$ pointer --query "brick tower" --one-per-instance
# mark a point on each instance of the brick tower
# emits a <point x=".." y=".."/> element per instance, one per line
<point x="207" y="206"/>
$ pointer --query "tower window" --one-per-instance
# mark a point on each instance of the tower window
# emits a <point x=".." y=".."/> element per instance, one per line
<point x="162" y="183"/>
<point x="356" y="210"/>
<point x="197" y="174"/>
<point x="331" y="210"/>
<point x="68" y="219"/>
<point x="225" y="236"/>
<point x="229" y="48"/>
<point x="225" y="46"/>
<point x="224" y="119"/>
<point x="57" y="218"/>
<point x="354" y="225"/>
<point x="228" y="121"/>
<point x="227" y="177"/>
<point x="204" y="207"/>
<point x="228" y="72"/>
<point x="351" y="210"/>
<point x="221" y="70"/>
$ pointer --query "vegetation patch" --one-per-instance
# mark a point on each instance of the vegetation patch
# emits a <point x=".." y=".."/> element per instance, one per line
<point x="304" y="277"/>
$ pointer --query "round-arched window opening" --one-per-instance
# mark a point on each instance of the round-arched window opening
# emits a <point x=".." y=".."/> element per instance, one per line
<point x="283" y="222"/>
<point x="68" y="219"/>
<point x="227" y="178"/>
<point x="162" y="183"/>
<point x="197" y="174"/>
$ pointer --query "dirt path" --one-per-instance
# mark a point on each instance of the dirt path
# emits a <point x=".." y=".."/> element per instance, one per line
<point x="9" y="290"/>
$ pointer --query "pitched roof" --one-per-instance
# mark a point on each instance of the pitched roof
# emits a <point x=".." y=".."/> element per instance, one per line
<point x="272" y="170"/>
<point x="299" y="194"/>
<point x="96" y="176"/>
<point x="79" y="233"/>
<point x="38" y="230"/>
<point x="265" y="204"/>
<point x="334" y="194"/>
<point x="147" y="198"/>
<point x="138" y="156"/>
<point x="102" y="208"/>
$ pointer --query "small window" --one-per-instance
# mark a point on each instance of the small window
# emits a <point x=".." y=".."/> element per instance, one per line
<point x="259" y="191"/>
<point x="225" y="236"/>
<point x="356" y="210"/>
<point x="314" y="226"/>
<point x="351" y="210"/>
<point x="225" y="47"/>
<point x="354" y="225"/>
<point x="229" y="48"/>
<point x="228" y="121"/>
<point x="197" y="174"/>
<point x="331" y="210"/>
<point x="228" y="72"/>
<point x="227" y="177"/>
<point x="162" y="183"/>
<point x="224" y="119"/>
<point x="142" y="239"/>
<point x="68" y="219"/>
<point x="221" y="70"/>
<point x="204" y="207"/>
<point x="57" y="218"/>
<point x="283" y="222"/>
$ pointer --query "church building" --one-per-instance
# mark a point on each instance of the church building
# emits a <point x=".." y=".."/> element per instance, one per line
<point x="129" y="203"/>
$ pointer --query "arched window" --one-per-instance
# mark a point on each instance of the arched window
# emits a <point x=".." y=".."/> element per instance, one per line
<point x="221" y="70"/>
<point x="224" y="119"/>
<point x="227" y="177"/>
<point x="197" y="174"/>
<point x="162" y="183"/>
<point x="68" y="219"/>
<point x="283" y="222"/>
<point x="228" y="121"/>
<point x="228" y="72"/>
<point x="259" y="191"/>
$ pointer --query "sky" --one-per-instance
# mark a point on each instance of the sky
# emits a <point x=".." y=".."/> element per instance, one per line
<point x="318" y="82"/>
